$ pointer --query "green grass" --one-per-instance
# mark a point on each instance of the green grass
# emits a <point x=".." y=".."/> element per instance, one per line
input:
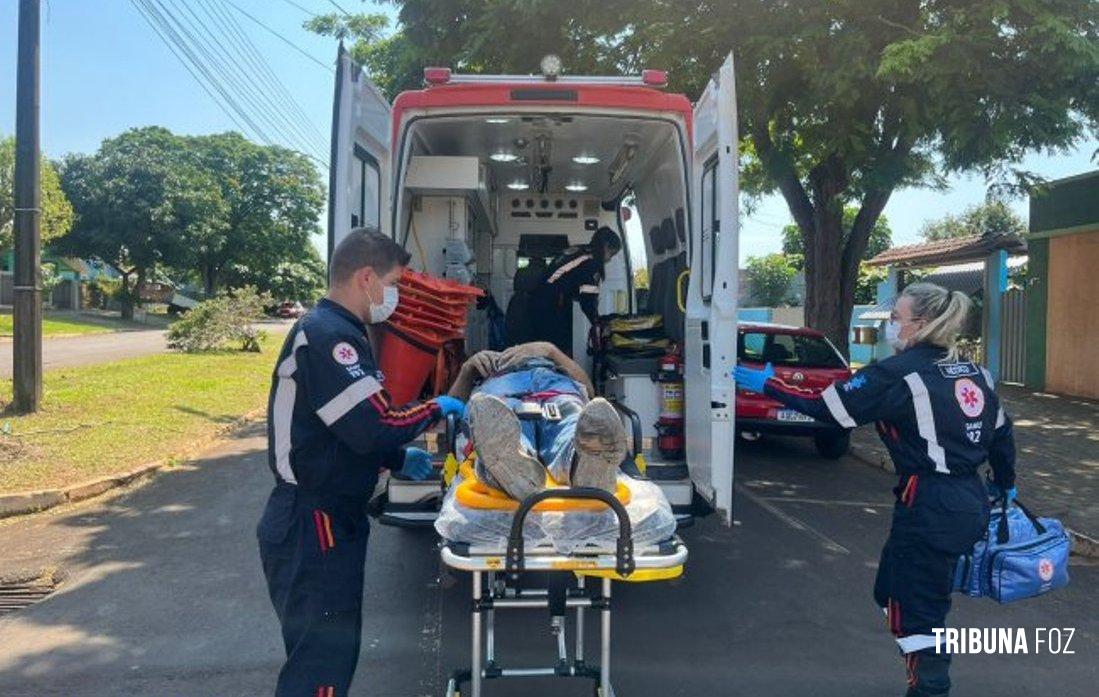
<point x="72" y="324"/>
<point x="109" y="418"/>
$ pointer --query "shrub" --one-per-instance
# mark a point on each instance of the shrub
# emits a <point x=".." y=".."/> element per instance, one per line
<point x="213" y="323"/>
<point x="769" y="278"/>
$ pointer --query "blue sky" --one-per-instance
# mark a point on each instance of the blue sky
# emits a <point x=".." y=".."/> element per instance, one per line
<point x="104" y="70"/>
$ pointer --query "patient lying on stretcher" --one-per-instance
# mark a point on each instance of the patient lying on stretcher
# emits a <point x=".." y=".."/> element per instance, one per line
<point x="529" y="410"/>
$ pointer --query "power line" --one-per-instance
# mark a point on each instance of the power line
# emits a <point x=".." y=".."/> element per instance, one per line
<point x="285" y="40"/>
<point x="265" y="67"/>
<point x="306" y="10"/>
<point x="337" y="6"/>
<point x="256" y="81"/>
<point x="207" y="70"/>
<point x="240" y="82"/>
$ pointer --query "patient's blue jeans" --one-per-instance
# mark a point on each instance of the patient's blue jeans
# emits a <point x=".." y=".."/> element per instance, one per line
<point x="550" y="441"/>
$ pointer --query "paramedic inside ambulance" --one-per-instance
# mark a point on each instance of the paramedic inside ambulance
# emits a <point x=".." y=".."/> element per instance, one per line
<point x="331" y="426"/>
<point x="574" y="276"/>
<point x="940" y="419"/>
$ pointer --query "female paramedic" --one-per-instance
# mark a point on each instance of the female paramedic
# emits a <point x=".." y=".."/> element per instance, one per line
<point x="330" y="428"/>
<point x="940" y="419"/>
<point x="575" y="276"/>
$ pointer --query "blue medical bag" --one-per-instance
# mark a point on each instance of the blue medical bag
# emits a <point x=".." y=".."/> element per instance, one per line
<point x="1021" y="556"/>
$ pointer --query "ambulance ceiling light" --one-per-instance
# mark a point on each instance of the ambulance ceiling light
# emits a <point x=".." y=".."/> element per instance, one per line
<point x="585" y="159"/>
<point x="577" y="186"/>
<point x="503" y="157"/>
<point x="497" y="119"/>
<point x="518" y="186"/>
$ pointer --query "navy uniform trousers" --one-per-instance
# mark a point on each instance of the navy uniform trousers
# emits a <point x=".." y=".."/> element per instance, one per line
<point x="313" y="550"/>
<point x="936" y="519"/>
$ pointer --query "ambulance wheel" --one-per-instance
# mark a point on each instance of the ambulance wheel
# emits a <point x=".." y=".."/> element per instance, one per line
<point x="834" y="445"/>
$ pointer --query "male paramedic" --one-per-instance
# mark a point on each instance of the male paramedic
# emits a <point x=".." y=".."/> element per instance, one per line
<point x="940" y="419"/>
<point x="330" y="427"/>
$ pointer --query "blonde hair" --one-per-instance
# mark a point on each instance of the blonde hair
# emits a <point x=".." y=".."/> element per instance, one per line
<point x="944" y="313"/>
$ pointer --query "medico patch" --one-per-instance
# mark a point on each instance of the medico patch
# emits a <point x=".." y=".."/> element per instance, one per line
<point x="345" y="354"/>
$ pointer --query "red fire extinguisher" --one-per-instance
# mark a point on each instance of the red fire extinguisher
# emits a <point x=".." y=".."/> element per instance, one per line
<point x="671" y="439"/>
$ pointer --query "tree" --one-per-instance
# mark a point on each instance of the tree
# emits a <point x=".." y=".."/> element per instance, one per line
<point x="769" y="278"/>
<point x="57" y="212"/>
<point x="140" y="202"/>
<point x="840" y="103"/>
<point x="301" y="277"/>
<point x="881" y="238"/>
<point x="991" y="218"/>
<point x="274" y="198"/>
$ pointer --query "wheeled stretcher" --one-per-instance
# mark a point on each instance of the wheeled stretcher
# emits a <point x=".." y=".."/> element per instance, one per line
<point x="502" y="579"/>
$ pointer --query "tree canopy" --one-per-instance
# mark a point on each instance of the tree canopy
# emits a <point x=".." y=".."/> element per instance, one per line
<point x="769" y="278"/>
<point x="991" y="218"/>
<point x="57" y="212"/>
<point x="218" y="208"/>
<point x="840" y="103"/>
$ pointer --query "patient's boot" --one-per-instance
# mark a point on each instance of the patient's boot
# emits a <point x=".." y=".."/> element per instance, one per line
<point x="495" y="431"/>
<point x="600" y="446"/>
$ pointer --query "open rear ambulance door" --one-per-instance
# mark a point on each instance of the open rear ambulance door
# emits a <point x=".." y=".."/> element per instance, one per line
<point x="359" y="186"/>
<point x="711" y="330"/>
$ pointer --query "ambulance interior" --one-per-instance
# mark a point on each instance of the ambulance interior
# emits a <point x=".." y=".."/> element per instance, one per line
<point x="492" y="199"/>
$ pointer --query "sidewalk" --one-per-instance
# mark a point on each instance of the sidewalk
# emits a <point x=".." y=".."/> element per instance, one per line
<point x="1058" y="466"/>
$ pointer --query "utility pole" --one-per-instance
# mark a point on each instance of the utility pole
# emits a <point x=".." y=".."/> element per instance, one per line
<point x="28" y="209"/>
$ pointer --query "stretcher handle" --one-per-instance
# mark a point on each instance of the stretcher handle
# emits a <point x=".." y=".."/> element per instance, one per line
<point x="452" y="433"/>
<point x="624" y="561"/>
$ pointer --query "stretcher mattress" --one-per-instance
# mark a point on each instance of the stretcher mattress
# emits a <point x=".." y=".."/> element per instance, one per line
<point x="566" y="531"/>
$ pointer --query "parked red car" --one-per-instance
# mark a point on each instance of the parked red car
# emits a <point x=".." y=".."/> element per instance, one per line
<point x="803" y="357"/>
<point x="290" y="310"/>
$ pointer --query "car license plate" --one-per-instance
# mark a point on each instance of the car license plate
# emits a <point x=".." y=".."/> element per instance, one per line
<point x="791" y="415"/>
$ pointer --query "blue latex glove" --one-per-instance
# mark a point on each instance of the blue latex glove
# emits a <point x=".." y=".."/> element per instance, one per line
<point x="752" y="379"/>
<point x="417" y="464"/>
<point x="451" y="405"/>
<point x="1009" y="496"/>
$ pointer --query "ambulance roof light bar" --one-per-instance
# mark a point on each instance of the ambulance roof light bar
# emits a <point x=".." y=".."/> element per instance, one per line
<point x="647" y="78"/>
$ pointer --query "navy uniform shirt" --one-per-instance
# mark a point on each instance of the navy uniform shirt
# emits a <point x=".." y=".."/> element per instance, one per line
<point x="330" y="424"/>
<point x="576" y="276"/>
<point x="932" y="415"/>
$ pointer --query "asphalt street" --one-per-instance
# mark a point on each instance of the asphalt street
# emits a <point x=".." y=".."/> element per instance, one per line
<point x="72" y="351"/>
<point x="163" y="596"/>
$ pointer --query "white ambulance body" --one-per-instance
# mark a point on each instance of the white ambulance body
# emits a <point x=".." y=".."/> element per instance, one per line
<point x="477" y="175"/>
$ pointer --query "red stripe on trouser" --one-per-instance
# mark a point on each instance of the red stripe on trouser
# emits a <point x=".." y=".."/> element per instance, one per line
<point x="909" y="494"/>
<point x="912" y="662"/>
<point x="326" y="691"/>
<point x="322" y="536"/>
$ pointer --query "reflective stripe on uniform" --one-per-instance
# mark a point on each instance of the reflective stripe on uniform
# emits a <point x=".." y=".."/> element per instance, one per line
<point x="925" y="420"/>
<point x="1000" y="417"/>
<point x="590" y="289"/>
<point x="835" y="405"/>
<point x="916" y="642"/>
<point x="282" y="410"/>
<point x="345" y="401"/>
<point x="565" y="268"/>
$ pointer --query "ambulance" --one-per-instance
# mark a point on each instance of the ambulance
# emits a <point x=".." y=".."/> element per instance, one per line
<point x="484" y="177"/>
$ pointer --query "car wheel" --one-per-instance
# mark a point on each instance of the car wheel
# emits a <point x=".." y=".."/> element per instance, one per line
<point x="834" y="445"/>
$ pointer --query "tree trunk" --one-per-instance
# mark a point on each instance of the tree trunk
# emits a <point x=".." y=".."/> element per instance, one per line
<point x="209" y="279"/>
<point x="126" y="298"/>
<point x="823" y="276"/>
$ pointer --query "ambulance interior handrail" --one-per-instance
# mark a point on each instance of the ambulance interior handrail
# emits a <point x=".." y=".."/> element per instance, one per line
<point x="624" y="561"/>
<point x="635" y="424"/>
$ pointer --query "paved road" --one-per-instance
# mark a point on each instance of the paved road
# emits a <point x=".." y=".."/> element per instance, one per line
<point x="164" y="597"/>
<point x="72" y="351"/>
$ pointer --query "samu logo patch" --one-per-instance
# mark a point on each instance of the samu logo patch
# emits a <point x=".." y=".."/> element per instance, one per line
<point x="970" y="397"/>
<point x="345" y="354"/>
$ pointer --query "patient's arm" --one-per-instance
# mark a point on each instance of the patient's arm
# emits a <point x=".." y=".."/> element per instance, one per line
<point x="544" y="349"/>
<point x="478" y="367"/>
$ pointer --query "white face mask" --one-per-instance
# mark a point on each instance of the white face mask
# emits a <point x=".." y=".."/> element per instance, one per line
<point x="893" y="335"/>
<point x="381" y="312"/>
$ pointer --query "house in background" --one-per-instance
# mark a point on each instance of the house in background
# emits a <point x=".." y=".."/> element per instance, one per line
<point x="1062" y="325"/>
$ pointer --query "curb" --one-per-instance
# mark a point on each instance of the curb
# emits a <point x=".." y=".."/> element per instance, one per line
<point x="27" y="502"/>
<point x="1082" y="544"/>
